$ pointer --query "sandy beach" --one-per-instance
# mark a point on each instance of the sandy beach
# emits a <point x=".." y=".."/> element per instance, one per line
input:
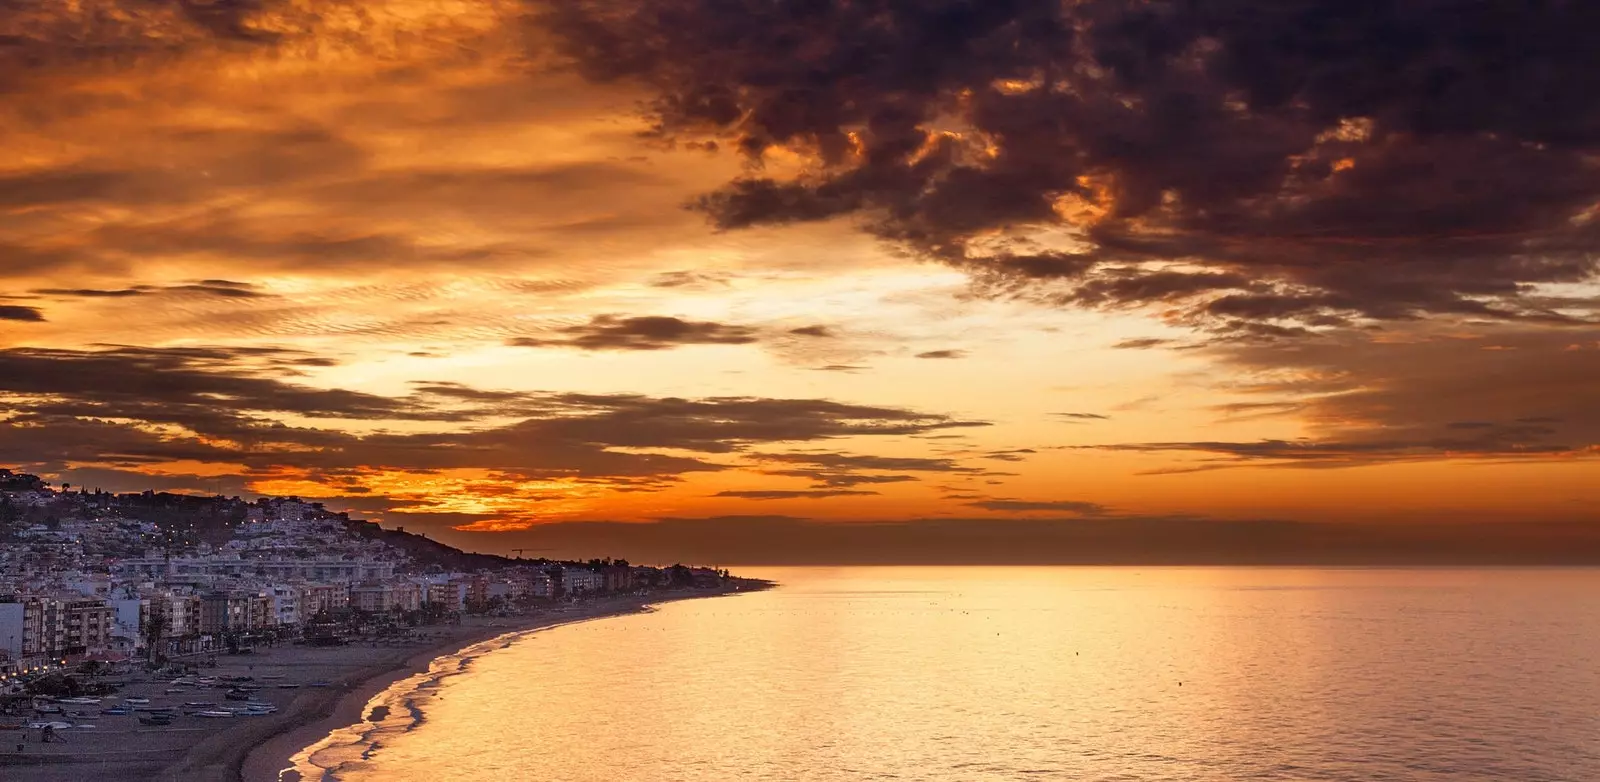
<point x="256" y="748"/>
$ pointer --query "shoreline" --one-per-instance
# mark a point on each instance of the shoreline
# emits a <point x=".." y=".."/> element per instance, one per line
<point x="265" y="758"/>
<point x="257" y="748"/>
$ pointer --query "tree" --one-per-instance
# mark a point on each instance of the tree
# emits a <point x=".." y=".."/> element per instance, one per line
<point x="680" y="575"/>
<point x="155" y="632"/>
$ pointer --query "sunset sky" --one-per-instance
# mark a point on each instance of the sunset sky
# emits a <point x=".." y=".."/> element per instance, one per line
<point x="712" y="278"/>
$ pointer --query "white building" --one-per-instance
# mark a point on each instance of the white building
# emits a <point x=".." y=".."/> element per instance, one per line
<point x="127" y="619"/>
<point x="286" y="605"/>
<point x="276" y="568"/>
<point x="581" y="581"/>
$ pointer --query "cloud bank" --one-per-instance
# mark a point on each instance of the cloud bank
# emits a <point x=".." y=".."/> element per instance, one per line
<point x="1258" y="169"/>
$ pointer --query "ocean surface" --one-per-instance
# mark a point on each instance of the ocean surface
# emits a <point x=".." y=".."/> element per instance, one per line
<point x="1026" y="674"/>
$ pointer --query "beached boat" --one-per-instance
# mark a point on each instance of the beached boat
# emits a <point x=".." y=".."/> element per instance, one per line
<point x="82" y="701"/>
<point x="288" y="686"/>
<point x="199" y="704"/>
<point x="51" y="725"/>
<point x="136" y="701"/>
<point x="237" y="695"/>
<point x="214" y="713"/>
<point x="253" y="710"/>
<point x="116" y="711"/>
<point x="47" y="709"/>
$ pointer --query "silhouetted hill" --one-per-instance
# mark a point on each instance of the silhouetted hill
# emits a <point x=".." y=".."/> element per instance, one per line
<point x="425" y="551"/>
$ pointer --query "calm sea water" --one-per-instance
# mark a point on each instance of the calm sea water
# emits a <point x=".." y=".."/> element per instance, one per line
<point x="1028" y="674"/>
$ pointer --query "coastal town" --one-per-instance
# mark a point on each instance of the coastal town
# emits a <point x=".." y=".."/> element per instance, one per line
<point x="145" y="611"/>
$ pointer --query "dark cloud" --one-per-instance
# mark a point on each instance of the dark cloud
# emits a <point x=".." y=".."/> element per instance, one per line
<point x="113" y="480"/>
<point x="833" y="470"/>
<point x="117" y="381"/>
<point x="942" y="354"/>
<point x="611" y="332"/>
<point x="39" y="39"/>
<point x="808" y="494"/>
<point x="1083" y="416"/>
<point x="1142" y="343"/>
<point x="824" y="478"/>
<point x="1506" y="394"/>
<point x="1053" y="506"/>
<point x="724" y="424"/>
<point x="121" y="407"/>
<point x="689" y="279"/>
<point x="218" y="288"/>
<point x="1011" y="455"/>
<point x="1297" y="164"/>
<point x="852" y="462"/>
<point x="19" y="312"/>
<point x="812" y="331"/>
<point x="92" y="293"/>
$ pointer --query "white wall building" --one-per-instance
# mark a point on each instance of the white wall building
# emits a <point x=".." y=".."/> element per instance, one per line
<point x="286" y="605"/>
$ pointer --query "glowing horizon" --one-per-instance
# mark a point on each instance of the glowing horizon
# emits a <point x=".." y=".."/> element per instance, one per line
<point x="479" y="266"/>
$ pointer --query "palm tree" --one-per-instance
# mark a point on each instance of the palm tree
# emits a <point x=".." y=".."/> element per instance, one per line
<point x="155" y="631"/>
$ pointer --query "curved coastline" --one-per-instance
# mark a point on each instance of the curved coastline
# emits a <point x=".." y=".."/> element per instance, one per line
<point x="263" y="757"/>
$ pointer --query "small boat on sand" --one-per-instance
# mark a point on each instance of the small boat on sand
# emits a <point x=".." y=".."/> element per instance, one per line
<point x="116" y="711"/>
<point x="214" y="713"/>
<point x="136" y="701"/>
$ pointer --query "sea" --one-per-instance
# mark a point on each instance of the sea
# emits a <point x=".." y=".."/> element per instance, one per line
<point x="1071" y="673"/>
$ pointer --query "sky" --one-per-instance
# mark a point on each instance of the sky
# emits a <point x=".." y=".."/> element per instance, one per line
<point x="819" y="280"/>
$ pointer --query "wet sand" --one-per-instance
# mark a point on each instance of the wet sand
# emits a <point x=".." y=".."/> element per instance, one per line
<point x="257" y="748"/>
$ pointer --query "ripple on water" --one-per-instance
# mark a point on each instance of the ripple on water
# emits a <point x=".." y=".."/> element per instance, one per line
<point x="963" y="674"/>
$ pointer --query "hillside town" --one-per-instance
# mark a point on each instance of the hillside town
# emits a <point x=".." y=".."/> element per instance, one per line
<point x="148" y="578"/>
